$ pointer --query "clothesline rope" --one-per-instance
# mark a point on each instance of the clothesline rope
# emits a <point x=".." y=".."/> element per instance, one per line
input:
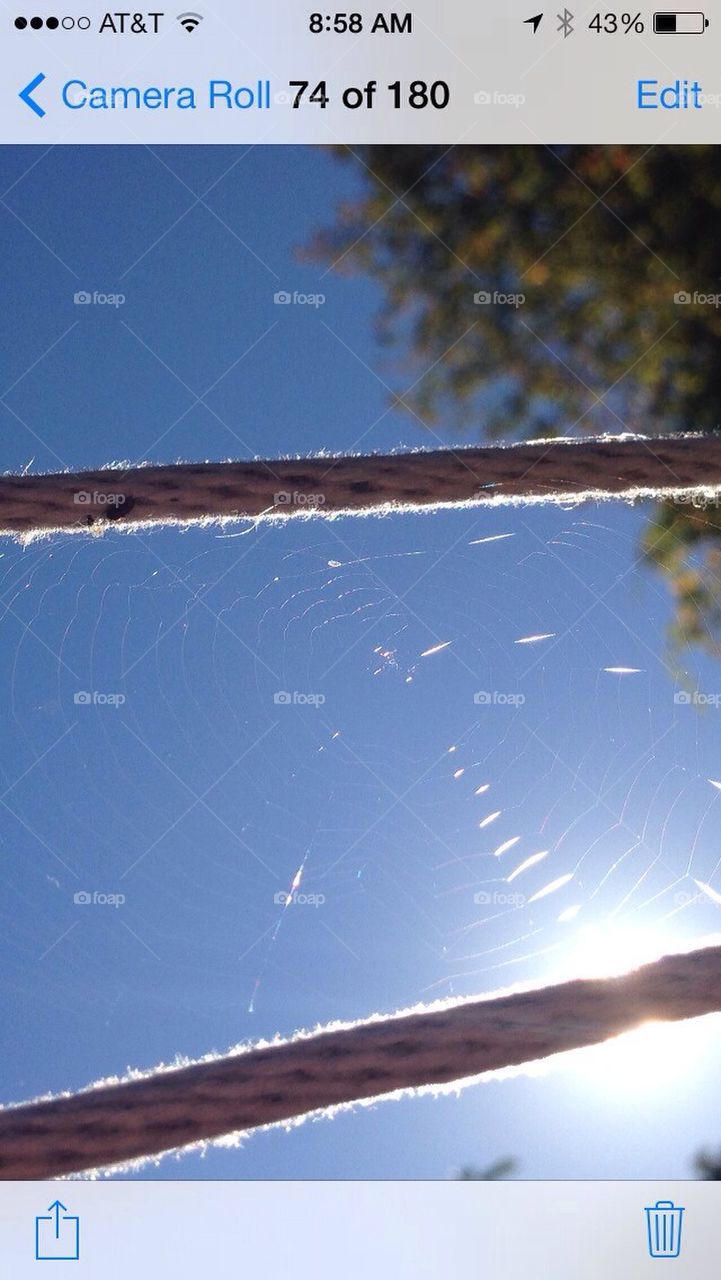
<point x="112" y="1123"/>
<point x="682" y="466"/>
<point x="249" y="1088"/>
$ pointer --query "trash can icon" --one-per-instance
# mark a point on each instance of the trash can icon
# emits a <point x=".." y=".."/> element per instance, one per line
<point x="664" y="1221"/>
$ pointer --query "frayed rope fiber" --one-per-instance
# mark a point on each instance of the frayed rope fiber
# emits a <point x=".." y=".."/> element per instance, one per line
<point x="538" y="471"/>
<point x="109" y="1124"/>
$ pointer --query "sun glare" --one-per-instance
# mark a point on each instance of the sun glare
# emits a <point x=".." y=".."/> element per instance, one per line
<point x="656" y="1056"/>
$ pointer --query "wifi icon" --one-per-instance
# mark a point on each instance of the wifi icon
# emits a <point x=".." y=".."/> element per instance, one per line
<point x="189" y="21"/>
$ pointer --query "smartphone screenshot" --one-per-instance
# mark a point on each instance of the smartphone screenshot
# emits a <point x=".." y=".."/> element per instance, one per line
<point x="360" y="641"/>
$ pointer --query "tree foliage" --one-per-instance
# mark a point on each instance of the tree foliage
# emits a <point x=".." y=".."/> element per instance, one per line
<point x="600" y="241"/>
<point x="503" y="1168"/>
<point x="708" y="1166"/>
<point x="685" y="544"/>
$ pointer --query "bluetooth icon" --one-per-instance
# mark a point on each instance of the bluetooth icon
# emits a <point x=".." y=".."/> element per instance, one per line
<point x="565" y="23"/>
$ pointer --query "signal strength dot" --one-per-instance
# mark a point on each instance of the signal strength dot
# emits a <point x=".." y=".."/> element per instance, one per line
<point x="36" y="24"/>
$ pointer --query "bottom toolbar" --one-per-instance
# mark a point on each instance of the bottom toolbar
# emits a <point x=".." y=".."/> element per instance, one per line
<point x="500" y="1231"/>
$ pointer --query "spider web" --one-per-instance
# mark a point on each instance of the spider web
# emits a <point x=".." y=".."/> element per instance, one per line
<point x="254" y="780"/>
<point x="354" y="764"/>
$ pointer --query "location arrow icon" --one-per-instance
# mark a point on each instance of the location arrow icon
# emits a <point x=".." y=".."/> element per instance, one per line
<point x="534" y="22"/>
<point x="25" y="95"/>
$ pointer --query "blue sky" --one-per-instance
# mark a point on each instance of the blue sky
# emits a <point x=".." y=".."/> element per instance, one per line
<point x="199" y="797"/>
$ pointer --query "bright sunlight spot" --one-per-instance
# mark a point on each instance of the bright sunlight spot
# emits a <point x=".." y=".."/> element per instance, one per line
<point x="657" y="1056"/>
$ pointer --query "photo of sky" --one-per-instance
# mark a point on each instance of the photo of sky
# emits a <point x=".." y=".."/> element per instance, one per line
<point x="258" y="777"/>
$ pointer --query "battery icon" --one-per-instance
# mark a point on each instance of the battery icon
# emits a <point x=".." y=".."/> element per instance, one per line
<point x="679" y="24"/>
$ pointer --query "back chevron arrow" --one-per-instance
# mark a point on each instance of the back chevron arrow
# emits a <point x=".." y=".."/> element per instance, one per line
<point x="25" y="95"/>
